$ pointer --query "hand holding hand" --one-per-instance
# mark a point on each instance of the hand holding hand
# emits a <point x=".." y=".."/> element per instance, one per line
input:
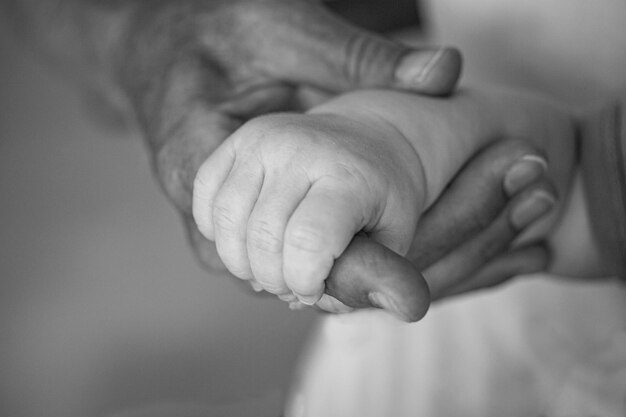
<point x="285" y="194"/>
<point x="196" y="71"/>
<point x="464" y="242"/>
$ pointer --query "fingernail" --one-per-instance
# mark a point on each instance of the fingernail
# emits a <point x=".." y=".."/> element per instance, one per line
<point x="381" y="300"/>
<point x="308" y="300"/>
<point x="256" y="286"/>
<point x="287" y="297"/>
<point x="296" y="305"/>
<point x="524" y="172"/>
<point x="532" y="208"/>
<point x="415" y="68"/>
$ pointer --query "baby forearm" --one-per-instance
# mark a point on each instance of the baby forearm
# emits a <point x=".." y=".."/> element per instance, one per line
<point x="446" y="133"/>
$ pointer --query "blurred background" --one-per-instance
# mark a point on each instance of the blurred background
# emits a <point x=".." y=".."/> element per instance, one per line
<point x="103" y="310"/>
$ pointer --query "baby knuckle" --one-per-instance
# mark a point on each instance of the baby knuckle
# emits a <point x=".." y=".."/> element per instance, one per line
<point x="263" y="237"/>
<point x="307" y="238"/>
<point x="223" y="218"/>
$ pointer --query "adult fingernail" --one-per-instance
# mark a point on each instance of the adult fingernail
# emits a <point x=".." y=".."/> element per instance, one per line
<point x="524" y="172"/>
<point x="416" y="67"/>
<point x="385" y="302"/>
<point x="532" y="208"/>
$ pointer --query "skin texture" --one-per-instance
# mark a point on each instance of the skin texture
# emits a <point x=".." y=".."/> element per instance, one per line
<point x="237" y="64"/>
<point x="192" y="72"/>
<point x="352" y="281"/>
<point x="284" y="196"/>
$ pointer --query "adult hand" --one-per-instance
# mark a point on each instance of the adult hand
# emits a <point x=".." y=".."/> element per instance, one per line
<point x="462" y="243"/>
<point x="193" y="88"/>
<point x="196" y="71"/>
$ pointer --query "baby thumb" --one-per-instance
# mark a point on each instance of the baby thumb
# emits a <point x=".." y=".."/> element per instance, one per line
<point x="368" y="274"/>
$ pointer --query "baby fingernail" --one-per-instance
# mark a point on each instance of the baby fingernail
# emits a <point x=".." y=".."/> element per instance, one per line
<point x="308" y="300"/>
<point x="296" y="305"/>
<point x="381" y="300"/>
<point x="532" y="208"/>
<point x="290" y="298"/>
<point x="256" y="286"/>
<point x="525" y="171"/>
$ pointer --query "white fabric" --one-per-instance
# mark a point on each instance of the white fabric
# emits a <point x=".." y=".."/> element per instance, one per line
<point x="539" y="347"/>
<point x="536" y="348"/>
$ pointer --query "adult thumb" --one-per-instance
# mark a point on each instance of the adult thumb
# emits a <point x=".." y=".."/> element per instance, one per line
<point x="368" y="274"/>
<point x="308" y="44"/>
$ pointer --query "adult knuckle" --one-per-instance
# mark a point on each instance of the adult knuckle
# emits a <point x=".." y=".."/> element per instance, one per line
<point x="365" y="54"/>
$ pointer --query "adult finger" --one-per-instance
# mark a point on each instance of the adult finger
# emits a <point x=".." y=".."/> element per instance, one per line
<point x="457" y="223"/>
<point x="369" y="275"/>
<point x="474" y="199"/>
<point x="302" y="42"/>
<point x="521" y="261"/>
<point x="526" y="208"/>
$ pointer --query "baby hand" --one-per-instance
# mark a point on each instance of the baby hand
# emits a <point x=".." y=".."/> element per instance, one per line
<point x="285" y="194"/>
